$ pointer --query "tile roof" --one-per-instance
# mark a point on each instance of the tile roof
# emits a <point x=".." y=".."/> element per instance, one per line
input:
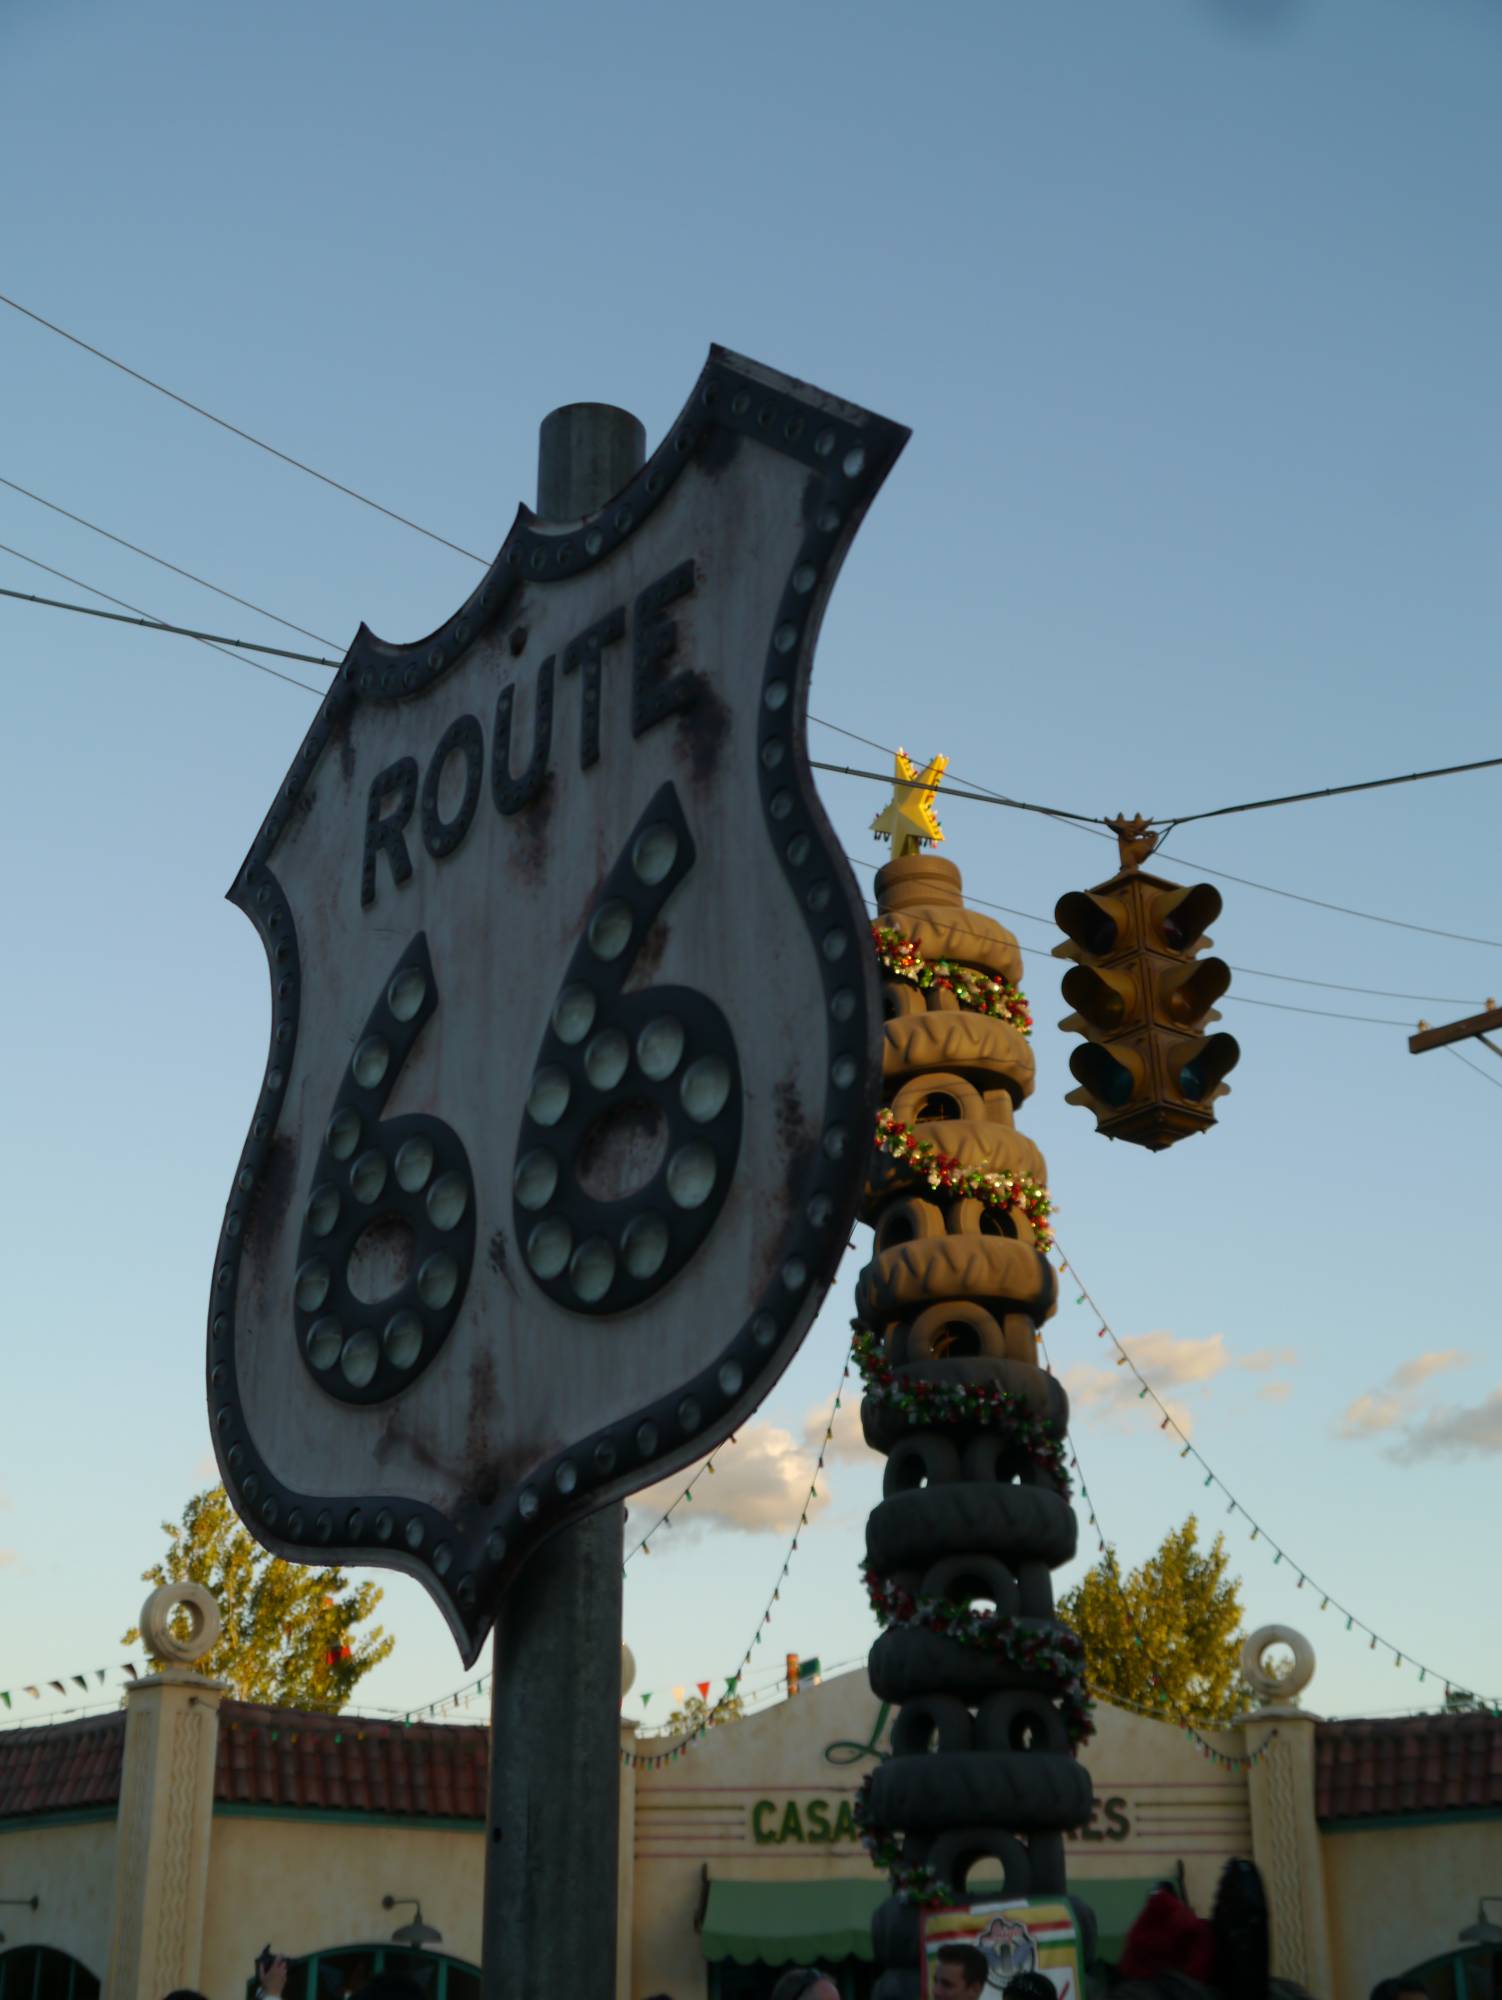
<point x="62" y="1767"/>
<point x="1410" y="1764"/>
<point x="266" y="1757"/>
<point x="341" y="1763"/>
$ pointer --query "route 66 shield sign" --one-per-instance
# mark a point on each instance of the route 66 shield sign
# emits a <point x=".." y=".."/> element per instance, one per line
<point x="574" y="1037"/>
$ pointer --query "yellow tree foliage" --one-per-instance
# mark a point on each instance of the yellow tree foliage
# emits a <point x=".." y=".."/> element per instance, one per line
<point x="289" y="1637"/>
<point x="1186" y="1613"/>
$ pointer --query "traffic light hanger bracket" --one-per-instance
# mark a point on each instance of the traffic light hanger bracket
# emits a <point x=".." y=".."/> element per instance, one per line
<point x="1134" y="837"/>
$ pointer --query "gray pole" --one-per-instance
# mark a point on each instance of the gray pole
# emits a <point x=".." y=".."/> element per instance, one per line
<point x="552" y="1834"/>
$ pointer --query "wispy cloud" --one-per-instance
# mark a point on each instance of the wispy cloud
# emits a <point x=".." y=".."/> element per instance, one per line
<point x="1454" y="1432"/>
<point x="1264" y="1359"/>
<point x="1178" y="1368"/>
<point x="760" y="1483"/>
<point x="1377" y="1411"/>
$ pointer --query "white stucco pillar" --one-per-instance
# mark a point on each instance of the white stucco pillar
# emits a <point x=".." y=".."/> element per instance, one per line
<point x="162" y="1850"/>
<point x="1285" y="1832"/>
<point x="166" y="1803"/>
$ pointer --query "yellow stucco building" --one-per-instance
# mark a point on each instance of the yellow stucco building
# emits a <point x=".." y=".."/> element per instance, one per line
<point x="166" y="1844"/>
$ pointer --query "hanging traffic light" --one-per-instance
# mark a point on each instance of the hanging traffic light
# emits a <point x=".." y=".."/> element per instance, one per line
<point x="1142" y="998"/>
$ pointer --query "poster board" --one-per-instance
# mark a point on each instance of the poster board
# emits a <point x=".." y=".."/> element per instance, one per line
<point x="1014" y="1937"/>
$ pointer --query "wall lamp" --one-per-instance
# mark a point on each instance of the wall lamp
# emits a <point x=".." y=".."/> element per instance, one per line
<point x="1483" y="1931"/>
<point x="417" y="1933"/>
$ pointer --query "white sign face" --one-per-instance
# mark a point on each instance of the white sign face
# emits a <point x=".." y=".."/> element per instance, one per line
<point x="574" y="1038"/>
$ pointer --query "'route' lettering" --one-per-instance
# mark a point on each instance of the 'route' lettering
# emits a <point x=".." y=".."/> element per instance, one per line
<point x="511" y="794"/>
<point x="656" y="640"/>
<point x="383" y="834"/>
<point x="585" y="652"/>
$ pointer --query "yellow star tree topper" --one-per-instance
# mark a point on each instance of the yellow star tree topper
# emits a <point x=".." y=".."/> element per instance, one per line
<point x="910" y="822"/>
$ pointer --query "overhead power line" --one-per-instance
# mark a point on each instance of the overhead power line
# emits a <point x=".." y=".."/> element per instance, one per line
<point x="221" y="643"/>
<point x="235" y="430"/>
<point x="145" y="619"/>
<point x="1485" y="1074"/>
<point x="1248" y="971"/>
<point x="1168" y="822"/>
<point x="162" y="562"/>
<point x="1219" y="874"/>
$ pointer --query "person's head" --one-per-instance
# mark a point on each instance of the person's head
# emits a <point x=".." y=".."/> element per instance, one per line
<point x="185" y="1993"/>
<point x="960" y="1972"/>
<point x="1030" y="1986"/>
<point x="805" y="1982"/>
<point x="1400" y="1989"/>
<point x="393" y="1985"/>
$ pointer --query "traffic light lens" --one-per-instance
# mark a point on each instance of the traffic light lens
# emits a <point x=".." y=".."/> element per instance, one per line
<point x="1191" y="916"/>
<point x="1088" y="922"/>
<point x="1102" y="1003"/>
<point x="1101" y="1073"/>
<point x="1206" y="1068"/>
<point x="1190" y="1001"/>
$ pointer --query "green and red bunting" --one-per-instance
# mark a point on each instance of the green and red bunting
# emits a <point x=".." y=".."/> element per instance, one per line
<point x="946" y="1175"/>
<point x="977" y="991"/>
<point x="61" y="1684"/>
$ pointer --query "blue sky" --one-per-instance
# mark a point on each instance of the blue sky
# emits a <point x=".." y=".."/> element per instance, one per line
<point x="1194" y="312"/>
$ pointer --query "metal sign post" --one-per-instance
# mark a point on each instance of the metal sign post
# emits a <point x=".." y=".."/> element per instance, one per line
<point x="553" y="1813"/>
<point x="571" y="1075"/>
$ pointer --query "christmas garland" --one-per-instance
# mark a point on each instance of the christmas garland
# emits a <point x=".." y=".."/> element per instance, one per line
<point x="1054" y="1654"/>
<point x="947" y="1175"/>
<point x="924" y="1402"/>
<point x="978" y="991"/>
<point x="919" y="1885"/>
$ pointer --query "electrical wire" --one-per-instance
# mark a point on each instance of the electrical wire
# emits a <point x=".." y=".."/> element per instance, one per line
<point x="1169" y="822"/>
<point x="154" y="624"/>
<point x="1052" y="812"/>
<point x="1252" y="971"/>
<point x="162" y="562"/>
<point x="221" y="642"/>
<point x="1485" y="1074"/>
<point x="1219" y="874"/>
<point x="235" y="431"/>
<point x="949" y="792"/>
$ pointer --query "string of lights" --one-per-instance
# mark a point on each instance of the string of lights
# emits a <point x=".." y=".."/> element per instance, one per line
<point x="665" y="1519"/>
<point x="1226" y="1760"/>
<point x="1169" y="1425"/>
<point x="651" y="1761"/>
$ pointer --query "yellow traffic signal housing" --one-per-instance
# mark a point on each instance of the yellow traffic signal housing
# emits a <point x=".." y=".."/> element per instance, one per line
<point x="1142" y="998"/>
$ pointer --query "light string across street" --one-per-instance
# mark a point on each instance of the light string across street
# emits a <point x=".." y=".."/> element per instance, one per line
<point x="1169" y="1425"/>
<point x="651" y="1761"/>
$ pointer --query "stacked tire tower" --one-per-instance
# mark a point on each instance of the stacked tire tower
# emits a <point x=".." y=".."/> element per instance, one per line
<point x="982" y="1781"/>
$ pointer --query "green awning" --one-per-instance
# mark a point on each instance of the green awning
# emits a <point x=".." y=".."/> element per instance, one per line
<point x="1116" y="1902"/>
<point x="791" y="1923"/>
<point x="800" y="1923"/>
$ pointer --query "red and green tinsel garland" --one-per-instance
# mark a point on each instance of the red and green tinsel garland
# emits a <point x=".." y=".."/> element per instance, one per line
<point x="923" y="1401"/>
<point x="947" y="1175"/>
<point x="918" y="1885"/>
<point x="978" y="991"/>
<point x="1052" y="1652"/>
